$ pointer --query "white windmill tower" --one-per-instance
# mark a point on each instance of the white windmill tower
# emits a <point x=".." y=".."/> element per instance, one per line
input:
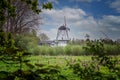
<point x="62" y="34"/>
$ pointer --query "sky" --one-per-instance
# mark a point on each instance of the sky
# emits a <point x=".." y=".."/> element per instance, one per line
<point x="97" y="18"/>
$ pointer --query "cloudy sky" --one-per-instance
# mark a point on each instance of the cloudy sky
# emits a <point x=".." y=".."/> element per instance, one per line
<point x="93" y="17"/>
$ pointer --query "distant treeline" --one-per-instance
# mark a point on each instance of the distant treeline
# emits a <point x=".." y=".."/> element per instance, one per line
<point x="82" y="41"/>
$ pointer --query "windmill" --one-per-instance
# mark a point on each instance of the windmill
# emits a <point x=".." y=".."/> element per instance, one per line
<point x="62" y="33"/>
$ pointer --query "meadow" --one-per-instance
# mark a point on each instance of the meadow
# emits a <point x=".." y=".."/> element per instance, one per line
<point x="59" y="62"/>
<point x="91" y="61"/>
<point x="62" y="63"/>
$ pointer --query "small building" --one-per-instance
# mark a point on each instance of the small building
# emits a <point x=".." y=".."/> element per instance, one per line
<point x="47" y="43"/>
<point x="62" y="42"/>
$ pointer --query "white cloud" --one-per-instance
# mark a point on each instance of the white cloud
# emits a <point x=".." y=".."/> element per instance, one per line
<point x="110" y="25"/>
<point x="80" y="23"/>
<point x="68" y="12"/>
<point x="116" y="5"/>
<point x="110" y="22"/>
<point x="51" y="33"/>
<point x="114" y="29"/>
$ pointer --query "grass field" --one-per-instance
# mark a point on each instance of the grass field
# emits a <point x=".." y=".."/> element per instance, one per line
<point x="54" y="60"/>
<point x="58" y="61"/>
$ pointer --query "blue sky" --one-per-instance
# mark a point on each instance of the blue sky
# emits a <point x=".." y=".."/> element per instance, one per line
<point x="83" y="17"/>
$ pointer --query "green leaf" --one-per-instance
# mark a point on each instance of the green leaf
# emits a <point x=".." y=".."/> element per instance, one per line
<point x="47" y="6"/>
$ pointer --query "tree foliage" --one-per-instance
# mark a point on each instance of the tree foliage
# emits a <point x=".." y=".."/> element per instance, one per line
<point x="43" y="37"/>
<point x="18" y="15"/>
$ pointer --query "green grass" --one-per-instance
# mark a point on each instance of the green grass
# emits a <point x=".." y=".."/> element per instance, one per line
<point x="56" y="60"/>
<point x="59" y="61"/>
<point x="48" y="60"/>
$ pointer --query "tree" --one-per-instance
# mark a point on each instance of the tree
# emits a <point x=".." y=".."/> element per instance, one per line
<point x="43" y="37"/>
<point x="25" y="20"/>
<point x="9" y="53"/>
<point x="87" y="36"/>
<point x="9" y="11"/>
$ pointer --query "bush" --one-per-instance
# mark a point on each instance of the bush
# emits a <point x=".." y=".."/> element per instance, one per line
<point x="28" y="43"/>
<point x="77" y="50"/>
<point x="50" y="51"/>
<point x="93" y="70"/>
<point x="43" y="50"/>
<point x="59" y="50"/>
<point x="35" y="50"/>
<point x="68" y="50"/>
<point x="112" y="49"/>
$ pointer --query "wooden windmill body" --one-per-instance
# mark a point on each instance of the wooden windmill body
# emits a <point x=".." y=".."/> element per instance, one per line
<point x="62" y="35"/>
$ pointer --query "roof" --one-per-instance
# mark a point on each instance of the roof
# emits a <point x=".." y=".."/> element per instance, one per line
<point x="63" y="28"/>
<point x="63" y="40"/>
<point x="46" y="42"/>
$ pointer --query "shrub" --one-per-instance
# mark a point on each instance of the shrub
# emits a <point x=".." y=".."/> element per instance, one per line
<point x="112" y="49"/>
<point x="50" y="51"/>
<point x="59" y="50"/>
<point x="42" y="50"/>
<point x="68" y="50"/>
<point x="92" y="70"/>
<point x="28" y="43"/>
<point x="77" y="50"/>
<point x="35" y="50"/>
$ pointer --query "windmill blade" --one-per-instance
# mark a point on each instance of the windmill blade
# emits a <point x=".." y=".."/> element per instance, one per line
<point x="65" y="21"/>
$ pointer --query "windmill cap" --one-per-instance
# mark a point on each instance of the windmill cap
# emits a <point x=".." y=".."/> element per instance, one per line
<point x="63" y="28"/>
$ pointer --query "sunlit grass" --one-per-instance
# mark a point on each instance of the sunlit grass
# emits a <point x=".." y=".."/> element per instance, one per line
<point x="59" y="61"/>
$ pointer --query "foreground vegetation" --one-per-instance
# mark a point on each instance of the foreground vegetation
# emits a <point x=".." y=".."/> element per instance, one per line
<point x="64" y="64"/>
<point x="23" y="65"/>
